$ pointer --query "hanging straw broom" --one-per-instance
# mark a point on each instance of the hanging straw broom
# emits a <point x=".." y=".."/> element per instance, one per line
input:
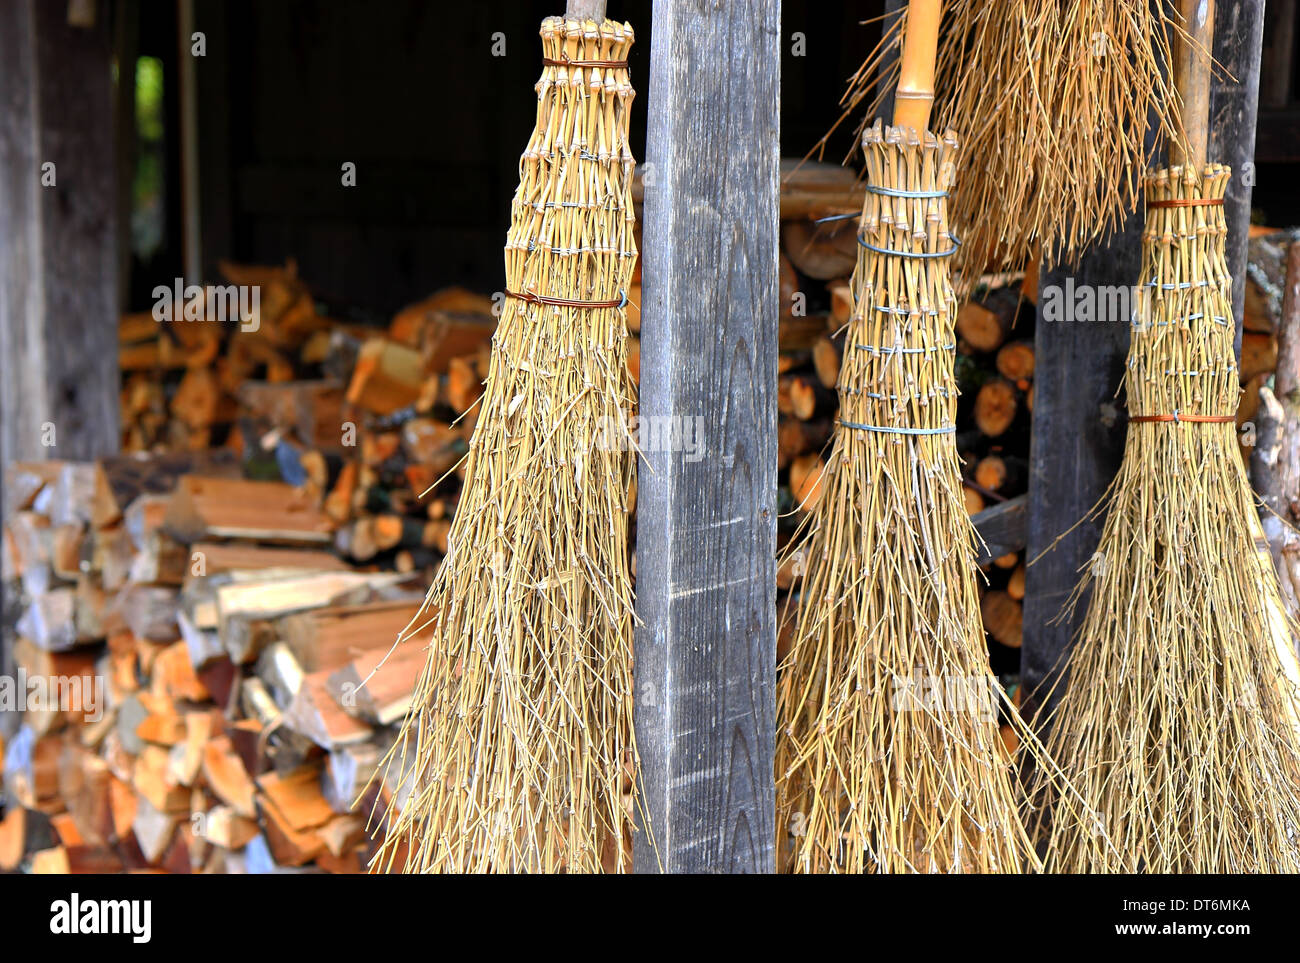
<point x="888" y="751"/>
<point x="1053" y="97"/>
<point x="1178" y="722"/>
<point x="519" y="752"/>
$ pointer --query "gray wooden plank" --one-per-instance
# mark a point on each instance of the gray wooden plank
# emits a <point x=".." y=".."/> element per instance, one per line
<point x="58" y="262"/>
<point x="1234" y="107"/>
<point x="706" y="528"/>
<point x="1076" y="444"/>
<point x="1002" y="527"/>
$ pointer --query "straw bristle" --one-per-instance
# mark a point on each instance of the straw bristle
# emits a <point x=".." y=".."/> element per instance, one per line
<point x="1178" y="724"/>
<point x="521" y="755"/>
<point x="872" y="774"/>
<point x="1053" y="99"/>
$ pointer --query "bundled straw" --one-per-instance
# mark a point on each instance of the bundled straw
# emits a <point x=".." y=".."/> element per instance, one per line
<point x="889" y="757"/>
<point x="1053" y="98"/>
<point x="1178" y="724"/>
<point x="522" y="753"/>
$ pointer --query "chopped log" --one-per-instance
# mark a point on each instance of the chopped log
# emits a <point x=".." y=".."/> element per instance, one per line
<point x="226" y="828"/>
<point x="1001" y="474"/>
<point x="986" y="324"/>
<point x="995" y="407"/>
<point x="841" y="292"/>
<point x="297" y="797"/>
<point x="1016" y="583"/>
<point x="243" y="608"/>
<point x="1015" y="362"/>
<point x="464" y="383"/>
<point x="826" y="356"/>
<point x="809" y="398"/>
<point x="347" y="772"/>
<point x="795" y="438"/>
<point x="316" y="716"/>
<point x="821" y="251"/>
<point x="387" y="377"/>
<point x="805" y="480"/>
<point x="973" y="500"/>
<point x="381" y="698"/>
<point x="1002" y="617"/>
<point x="225" y="775"/>
<point x="205" y="508"/>
<point x="787" y="287"/>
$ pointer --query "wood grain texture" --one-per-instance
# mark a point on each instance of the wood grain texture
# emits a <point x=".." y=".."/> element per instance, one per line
<point x="58" y="283"/>
<point x="706" y="528"/>
<point x="1076" y="445"/>
<point x="1002" y="527"/>
<point x="1234" y="105"/>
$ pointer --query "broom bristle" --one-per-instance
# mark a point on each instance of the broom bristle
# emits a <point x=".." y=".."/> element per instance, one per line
<point x="1053" y="99"/>
<point x="1178" y="723"/>
<point x="889" y="757"/>
<point x="519" y="753"/>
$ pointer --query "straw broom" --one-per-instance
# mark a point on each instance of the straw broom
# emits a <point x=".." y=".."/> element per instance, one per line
<point x="888" y="752"/>
<point x="1178" y="722"/>
<point x="1053" y="97"/>
<point x="519" y="751"/>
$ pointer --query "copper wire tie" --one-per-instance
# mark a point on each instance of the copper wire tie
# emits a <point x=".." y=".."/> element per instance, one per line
<point x="566" y="302"/>
<point x="1178" y="418"/>
<point x="611" y="64"/>
<point x="891" y="430"/>
<point x="1202" y="202"/>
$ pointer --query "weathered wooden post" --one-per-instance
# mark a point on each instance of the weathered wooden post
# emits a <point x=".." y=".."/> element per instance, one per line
<point x="1079" y="423"/>
<point x="706" y="516"/>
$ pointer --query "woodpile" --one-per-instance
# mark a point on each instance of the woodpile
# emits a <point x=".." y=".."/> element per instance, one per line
<point x="195" y="666"/>
<point x="228" y="590"/>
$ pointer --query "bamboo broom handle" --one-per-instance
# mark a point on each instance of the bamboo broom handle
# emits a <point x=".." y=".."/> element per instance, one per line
<point x="1192" y="77"/>
<point x="915" y="94"/>
<point x="585" y="10"/>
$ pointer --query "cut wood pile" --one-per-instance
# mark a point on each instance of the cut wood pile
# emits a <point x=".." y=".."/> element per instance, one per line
<point x="369" y="417"/>
<point x="189" y="661"/>
<point x="995" y="373"/>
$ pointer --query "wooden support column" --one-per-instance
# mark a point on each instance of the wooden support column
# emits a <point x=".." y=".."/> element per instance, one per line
<point x="1076" y="444"/>
<point x="1234" y="106"/>
<point x="58" y="234"/>
<point x="58" y="239"/>
<point x="706" y="521"/>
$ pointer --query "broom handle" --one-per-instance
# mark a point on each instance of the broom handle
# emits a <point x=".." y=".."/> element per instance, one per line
<point x="1192" y="77"/>
<point x="585" y="10"/>
<point x="915" y="94"/>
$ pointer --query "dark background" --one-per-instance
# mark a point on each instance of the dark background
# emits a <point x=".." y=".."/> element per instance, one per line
<point x="409" y="91"/>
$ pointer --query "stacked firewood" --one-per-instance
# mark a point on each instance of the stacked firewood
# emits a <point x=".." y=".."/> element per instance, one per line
<point x="369" y="416"/>
<point x="995" y="372"/>
<point x="203" y="683"/>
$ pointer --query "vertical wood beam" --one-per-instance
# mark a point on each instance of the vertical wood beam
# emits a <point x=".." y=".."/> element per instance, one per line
<point x="58" y="244"/>
<point x="706" y="526"/>
<point x="1234" y="106"/>
<point x="1076" y="445"/>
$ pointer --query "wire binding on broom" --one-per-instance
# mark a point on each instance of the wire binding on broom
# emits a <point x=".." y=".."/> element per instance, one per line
<point x="518" y="754"/>
<point x="1179" y="724"/>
